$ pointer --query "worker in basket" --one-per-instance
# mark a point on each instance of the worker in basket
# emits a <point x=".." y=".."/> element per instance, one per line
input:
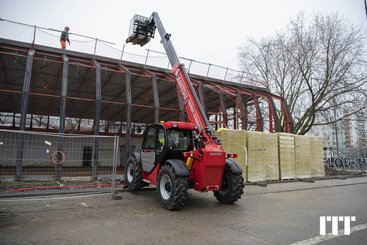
<point x="64" y="37"/>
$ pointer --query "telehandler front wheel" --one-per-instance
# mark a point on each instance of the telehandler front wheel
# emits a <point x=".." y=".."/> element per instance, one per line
<point x="133" y="175"/>
<point x="231" y="188"/>
<point x="172" y="189"/>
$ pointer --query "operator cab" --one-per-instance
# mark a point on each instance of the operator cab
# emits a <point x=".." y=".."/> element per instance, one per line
<point x="166" y="141"/>
<point x="178" y="142"/>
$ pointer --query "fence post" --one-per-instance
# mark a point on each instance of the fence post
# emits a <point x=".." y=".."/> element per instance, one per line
<point x="95" y="48"/>
<point x="34" y="35"/>
<point x="146" y="58"/>
<point x="225" y="75"/>
<point x="122" y="52"/>
<point x="114" y="163"/>
<point x="207" y="73"/>
<point x="188" y="70"/>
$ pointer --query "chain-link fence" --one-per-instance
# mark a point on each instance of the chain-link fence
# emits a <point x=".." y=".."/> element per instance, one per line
<point x="61" y="161"/>
<point x="50" y="37"/>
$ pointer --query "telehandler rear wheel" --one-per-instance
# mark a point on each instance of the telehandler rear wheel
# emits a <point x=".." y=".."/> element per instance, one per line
<point x="172" y="189"/>
<point x="231" y="188"/>
<point x="133" y="175"/>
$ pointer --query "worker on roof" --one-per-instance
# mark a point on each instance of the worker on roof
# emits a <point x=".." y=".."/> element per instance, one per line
<point x="64" y="37"/>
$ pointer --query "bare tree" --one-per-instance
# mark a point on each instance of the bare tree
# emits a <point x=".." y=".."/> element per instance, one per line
<point x="318" y="66"/>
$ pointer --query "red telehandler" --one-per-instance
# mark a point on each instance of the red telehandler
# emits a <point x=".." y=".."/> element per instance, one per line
<point x="176" y="156"/>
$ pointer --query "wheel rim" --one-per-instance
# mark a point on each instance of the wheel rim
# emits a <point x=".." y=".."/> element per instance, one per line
<point x="225" y="185"/>
<point x="165" y="187"/>
<point x="130" y="173"/>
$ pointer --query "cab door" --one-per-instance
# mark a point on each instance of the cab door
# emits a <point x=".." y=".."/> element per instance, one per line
<point x="152" y="150"/>
<point x="148" y="148"/>
<point x="160" y="145"/>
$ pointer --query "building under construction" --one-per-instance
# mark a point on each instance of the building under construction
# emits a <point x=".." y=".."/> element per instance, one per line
<point x="44" y="88"/>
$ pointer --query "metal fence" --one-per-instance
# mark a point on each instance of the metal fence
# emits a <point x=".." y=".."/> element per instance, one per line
<point x="79" y="159"/>
<point x="50" y="37"/>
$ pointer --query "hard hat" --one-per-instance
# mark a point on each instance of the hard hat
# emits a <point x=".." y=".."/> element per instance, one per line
<point x="66" y="27"/>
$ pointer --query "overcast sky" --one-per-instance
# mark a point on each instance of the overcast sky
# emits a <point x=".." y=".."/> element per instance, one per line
<point x="208" y="31"/>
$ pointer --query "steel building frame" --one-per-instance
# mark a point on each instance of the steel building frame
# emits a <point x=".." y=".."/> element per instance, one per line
<point x="40" y="80"/>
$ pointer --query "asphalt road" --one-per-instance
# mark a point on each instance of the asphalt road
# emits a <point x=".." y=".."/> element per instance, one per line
<point x="282" y="213"/>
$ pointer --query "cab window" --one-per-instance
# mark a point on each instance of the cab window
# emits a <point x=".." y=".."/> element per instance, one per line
<point x="149" y="139"/>
<point x="161" y="138"/>
<point x="179" y="140"/>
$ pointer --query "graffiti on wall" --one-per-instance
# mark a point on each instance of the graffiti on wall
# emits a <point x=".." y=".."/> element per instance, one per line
<point x="348" y="163"/>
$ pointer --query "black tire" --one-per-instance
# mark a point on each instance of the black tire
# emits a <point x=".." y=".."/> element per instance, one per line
<point x="171" y="189"/>
<point x="231" y="188"/>
<point x="133" y="175"/>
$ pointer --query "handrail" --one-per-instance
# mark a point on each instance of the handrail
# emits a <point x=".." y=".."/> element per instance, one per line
<point x="108" y="50"/>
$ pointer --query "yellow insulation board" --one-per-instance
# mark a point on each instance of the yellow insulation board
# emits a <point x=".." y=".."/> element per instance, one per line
<point x="234" y="141"/>
<point x="317" y="163"/>
<point x="259" y="150"/>
<point x="303" y="156"/>
<point x="270" y="142"/>
<point x="287" y="160"/>
<point x="267" y="156"/>
<point x="256" y="156"/>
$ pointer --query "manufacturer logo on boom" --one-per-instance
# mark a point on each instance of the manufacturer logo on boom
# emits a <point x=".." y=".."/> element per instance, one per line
<point x="183" y="90"/>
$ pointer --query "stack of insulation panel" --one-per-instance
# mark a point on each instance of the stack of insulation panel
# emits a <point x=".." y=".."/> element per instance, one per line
<point x="303" y="156"/>
<point x="267" y="156"/>
<point x="271" y="156"/>
<point x="256" y="157"/>
<point x="317" y="164"/>
<point x="234" y="141"/>
<point x="286" y="156"/>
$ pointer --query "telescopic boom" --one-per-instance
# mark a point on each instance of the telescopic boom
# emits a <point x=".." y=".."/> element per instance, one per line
<point x="142" y="29"/>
